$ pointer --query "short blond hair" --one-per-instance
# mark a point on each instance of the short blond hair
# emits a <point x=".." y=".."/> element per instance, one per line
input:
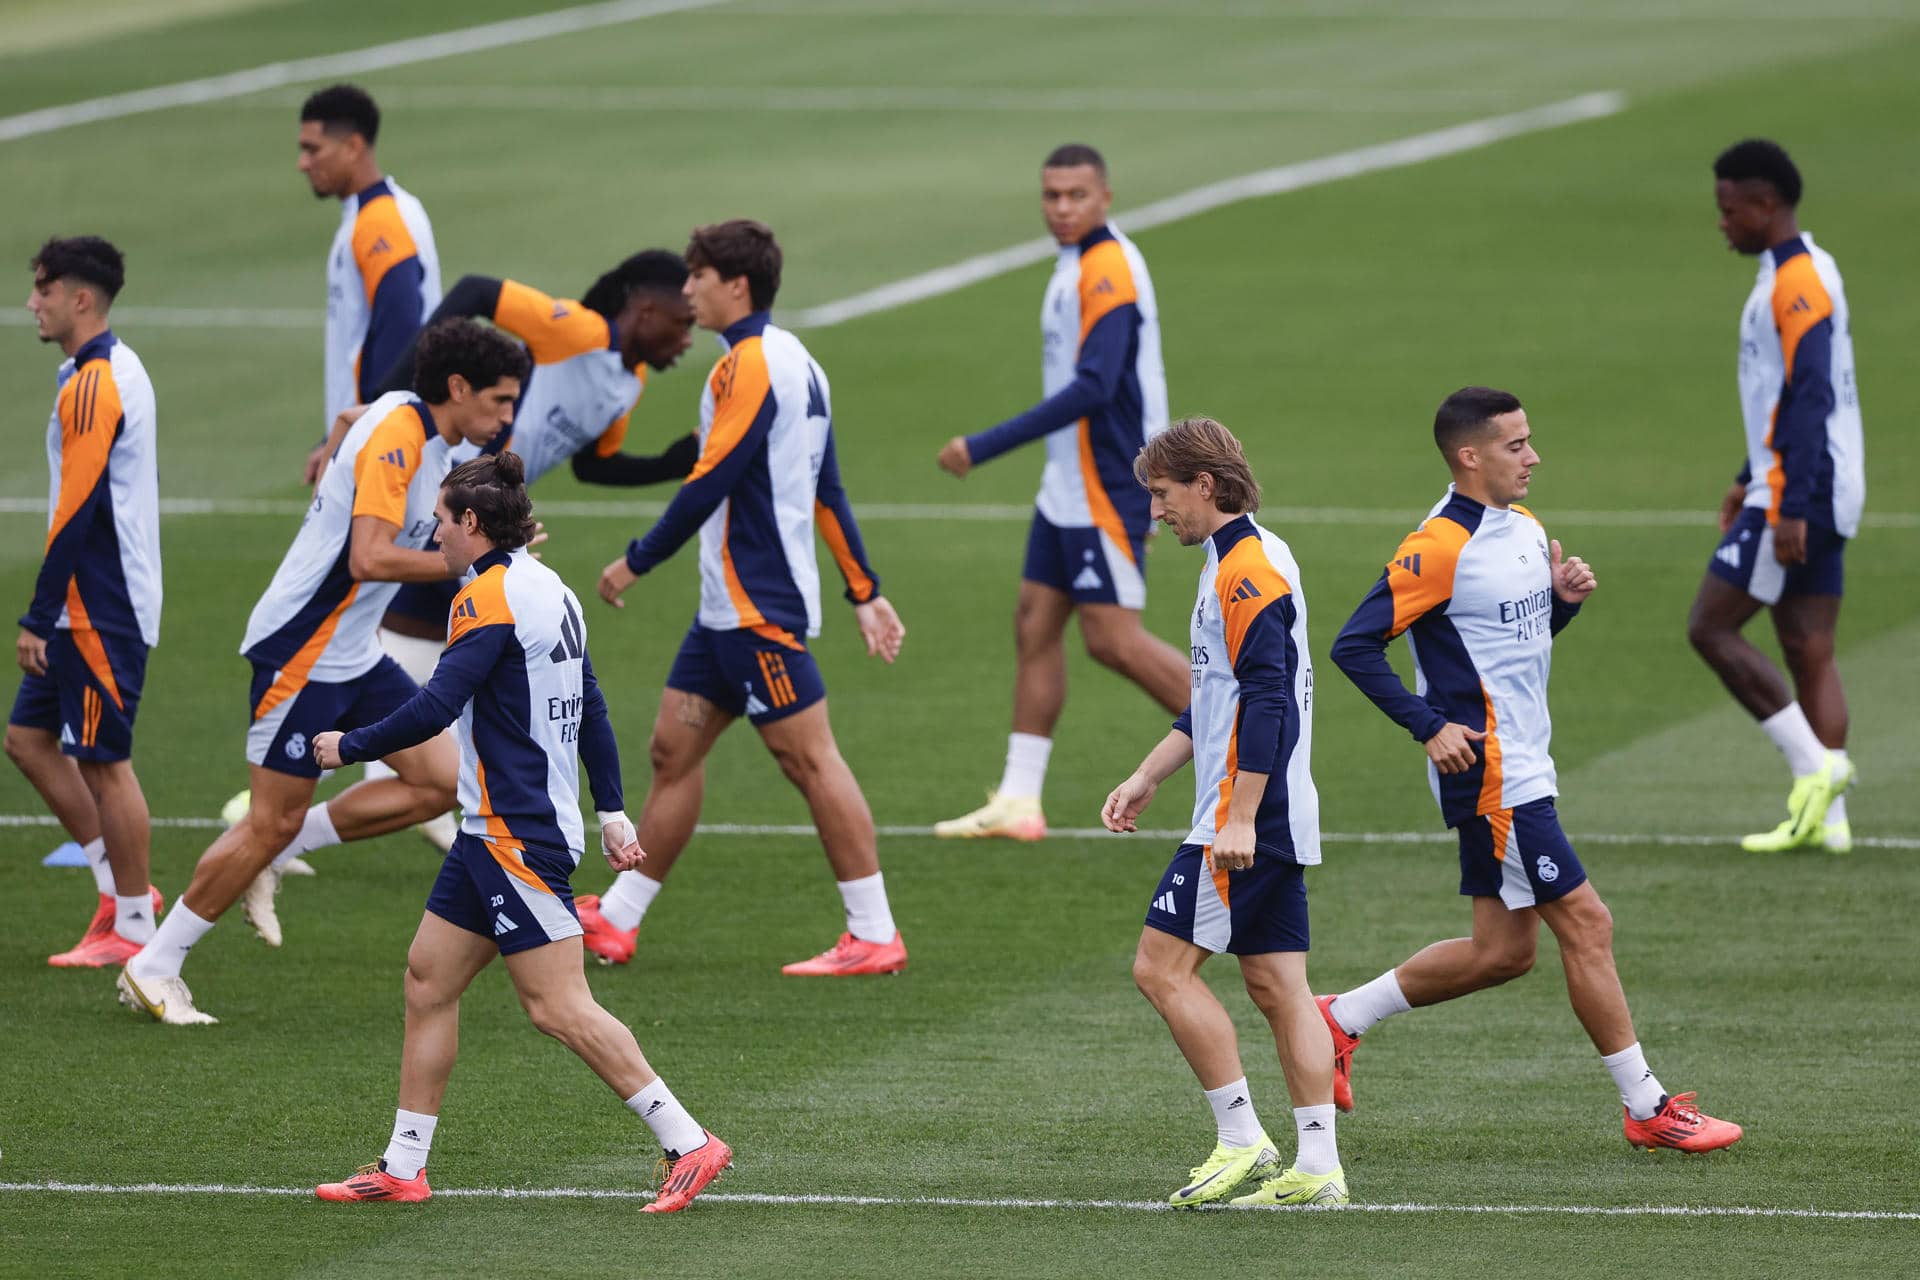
<point x="1193" y="445"/>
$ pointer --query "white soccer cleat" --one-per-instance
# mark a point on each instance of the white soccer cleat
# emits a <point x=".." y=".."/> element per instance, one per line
<point x="1001" y="816"/>
<point x="256" y="903"/>
<point x="165" y="1000"/>
<point x="296" y="866"/>
<point x="439" y="832"/>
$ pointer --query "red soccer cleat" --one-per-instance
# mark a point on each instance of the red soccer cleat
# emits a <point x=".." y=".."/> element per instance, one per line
<point x="851" y="956"/>
<point x="683" y="1179"/>
<point x="373" y="1182"/>
<point x="100" y="946"/>
<point x="608" y="944"/>
<point x="1681" y="1125"/>
<point x="1343" y="1047"/>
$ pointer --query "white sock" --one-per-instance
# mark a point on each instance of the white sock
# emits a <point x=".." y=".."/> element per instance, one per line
<point x="1791" y="733"/>
<point x="869" y="918"/>
<point x="162" y="957"/>
<point x="1026" y="770"/>
<point x="96" y="851"/>
<point x="677" y="1131"/>
<point x="1360" y="1008"/>
<point x="1640" y="1092"/>
<point x="412" y="1140"/>
<point x="133" y="917"/>
<point x="625" y="903"/>
<point x="1837" y="811"/>
<point x="315" y="833"/>
<point x="1319" y="1153"/>
<point x="1233" y="1115"/>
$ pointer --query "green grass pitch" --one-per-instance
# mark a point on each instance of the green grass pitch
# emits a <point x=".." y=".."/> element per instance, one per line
<point x="1013" y="1059"/>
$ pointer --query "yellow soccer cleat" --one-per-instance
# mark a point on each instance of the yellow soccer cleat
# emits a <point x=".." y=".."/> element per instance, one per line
<point x="1295" y="1187"/>
<point x="1225" y="1171"/>
<point x="1813" y="794"/>
<point x="1005" y="817"/>
<point x="164" y="1000"/>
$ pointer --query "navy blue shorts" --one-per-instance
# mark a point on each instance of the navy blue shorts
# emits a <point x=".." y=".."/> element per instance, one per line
<point x="1745" y="559"/>
<point x="280" y="735"/>
<point x="1246" y="913"/>
<point x="518" y="895"/>
<point x="747" y="673"/>
<point x="1086" y="564"/>
<point x="89" y="695"/>
<point x="1520" y="856"/>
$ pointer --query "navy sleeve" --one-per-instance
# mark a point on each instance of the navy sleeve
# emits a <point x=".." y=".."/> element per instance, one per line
<point x="1800" y="421"/>
<point x="702" y="493"/>
<point x="1265" y="683"/>
<point x="472" y="296"/>
<point x="1745" y="475"/>
<point x="834" y="514"/>
<point x="599" y="751"/>
<point x="1360" y="650"/>
<point x="1562" y="614"/>
<point x="1183" y="723"/>
<point x="465" y="665"/>
<point x="395" y="322"/>
<point x="1103" y="360"/>
<point x="632" y="469"/>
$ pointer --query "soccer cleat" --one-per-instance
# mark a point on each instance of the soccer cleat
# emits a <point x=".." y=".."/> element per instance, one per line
<point x="684" y="1177"/>
<point x="1225" y="1171"/>
<point x="373" y="1182"/>
<point x="1004" y="816"/>
<point x="296" y="866"/>
<point x="236" y="808"/>
<point x="165" y="1000"/>
<point x="1343" y="1047"/>
<point x="98" y="951"/>
<point x="608" y="944"/>
<point x="1295" y="1187"/>
<point x="851" y="956"/>
<point x="1836" y="837"/>
<point x="256" y="903"/>
<point x="81" y="954"/>
<point x="439" y="832"/>
<point x="1812" y="795"/>
<point x="1681" y="1125"/>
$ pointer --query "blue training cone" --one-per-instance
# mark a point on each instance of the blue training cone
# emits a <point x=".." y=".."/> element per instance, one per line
<point x="67" y="855"/>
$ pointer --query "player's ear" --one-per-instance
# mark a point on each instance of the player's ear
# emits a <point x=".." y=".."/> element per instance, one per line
<point x="458" y="388"/>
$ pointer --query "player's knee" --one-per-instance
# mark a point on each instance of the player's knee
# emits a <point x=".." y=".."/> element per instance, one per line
<point x="1592" y="930"/>
<point x="1806" y="653"/>
<point x="1507" y="964"/>
<point x="670" y="760"/>
<point x="1154" y="982"/>
<point x="1707" y="636"/>
<point x="275" y="829"/>
<point x="803" y="766"/>
<point x="20" y="747"/>
<point x="560" y="1019"/>
<point x="1108" y="648"/>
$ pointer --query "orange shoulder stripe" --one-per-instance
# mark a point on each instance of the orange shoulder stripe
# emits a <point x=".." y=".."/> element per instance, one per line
<point x="1245" y="583"/>
<point x="381" y="242"/>
<point x="1800" y="302"/>
<point x="740" y="384"/>
<point x="384" y="467"/>
<point x="554" y="329"/>
<point x="90" y="414"/>
<point x="481" y="603"/>
<point x="1420" y="575"/>
<point x="1106" y="282"/>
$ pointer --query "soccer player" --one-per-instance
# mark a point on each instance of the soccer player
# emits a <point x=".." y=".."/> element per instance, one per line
<point x="1481" y="593"/>
<point x="1106" y="395"/>
<point x="767" y="477"/>
<point x="96" y="602"/>
<point x="316" y="664"/>
<point x="383" y="273"/>
<point x="517" y="680"/>
<point x="1237" y="884"/>
<point x="1786" y="519"/>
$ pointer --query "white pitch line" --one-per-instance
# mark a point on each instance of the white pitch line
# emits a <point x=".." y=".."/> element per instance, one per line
<point x="737" y="829"/>
<point x="1002" y="1202"/>
<point x="1278" y="517"/>
<point x="1400" y="153"/>
<point x="333" y="66"/>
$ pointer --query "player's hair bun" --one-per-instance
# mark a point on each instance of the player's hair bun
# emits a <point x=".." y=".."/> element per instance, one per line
<point x="494" y="488"/>
<point x="508" y="469"/>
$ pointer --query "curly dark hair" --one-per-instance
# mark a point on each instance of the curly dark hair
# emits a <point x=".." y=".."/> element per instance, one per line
<point x="659" y="269"/>
<point x="85" y="258"/>
<point x="494" y="488"/>
<point x="343" y="108"/>
<point x="481" y="354"/>
<point x="1761" y="159"/>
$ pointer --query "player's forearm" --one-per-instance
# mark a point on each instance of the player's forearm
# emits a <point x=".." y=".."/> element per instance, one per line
<point x="1363" y="659"/>
<point x="1564" y="611"/>
<point x="1167" y="758"/>
<point x="631" y="469"/>
<point x="384" y="562"/>
<point x="599" y="749"/>
<point x="420" y="719"/>
<point x="1249" y="788"/>
<point x="1068" y="405"/>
